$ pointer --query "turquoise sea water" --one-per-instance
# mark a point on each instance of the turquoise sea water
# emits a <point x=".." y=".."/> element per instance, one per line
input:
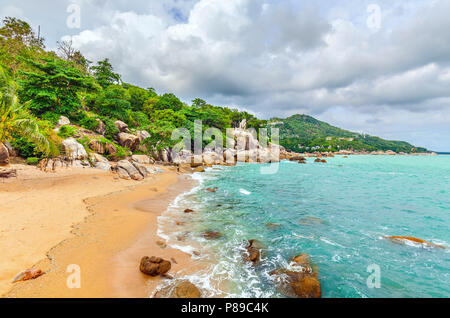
<point x="339" y="213"/>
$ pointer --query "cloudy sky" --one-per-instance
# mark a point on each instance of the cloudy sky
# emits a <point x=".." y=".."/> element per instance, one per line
<point x="380" y="66"/>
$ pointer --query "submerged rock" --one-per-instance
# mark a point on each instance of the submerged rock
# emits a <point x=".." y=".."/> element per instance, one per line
<point x="154" y="266"/>
<point x="179" y="289"/>
<point x="403" y="239"/>
<point x="312" y="220"/>
<point x="212" y="235"/>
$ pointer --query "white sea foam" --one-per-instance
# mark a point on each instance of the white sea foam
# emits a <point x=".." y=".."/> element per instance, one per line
<point x="245" y="192"/>
<point x="325" y="240"/>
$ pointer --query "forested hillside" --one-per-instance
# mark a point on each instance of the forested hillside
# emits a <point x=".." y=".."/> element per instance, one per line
<point x="50" y="84"/>
<point x="37" y="86"/>
<point x="302" y="133"/>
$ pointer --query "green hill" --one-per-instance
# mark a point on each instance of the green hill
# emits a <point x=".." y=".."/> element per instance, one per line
<point x="303" y="133"/>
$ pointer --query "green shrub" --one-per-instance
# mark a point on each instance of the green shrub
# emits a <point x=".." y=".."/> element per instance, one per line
<point x="111" y="129"/>
<point x="140" y="119"/>
<point x="33" y="161"/>
<point x="67" y="131"/>
<point x="122" y="152"/>
<point x="90" y="123"/>
<point x="25" y="148"/>
<point x="51" y="117"/>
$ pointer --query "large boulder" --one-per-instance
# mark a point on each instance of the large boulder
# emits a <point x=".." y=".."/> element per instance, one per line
<point x="142" y="134"/>
<point x="142" y="159"/>
<point x="299" y="281"/>
<point x="4" y="155"/>
<point x="254" y="250"/>
<point x="53" y="164"/>
<point x="11" y="150"/>
<point x="141" y="168"/>
<point x="100" y="162"/>
<point x="229" y="155"/>
<point x="180" y="289"/>
<point x="154" y="266"/>
<point x="63" y="121"/>
<point x="211" y="158"/>
<point x="182" y="156"/>
<point x="121" y="126"/>
<point x="97" y="146"/>
<point x="101" y="128"/>
<point x="128" y="170"/>
<point x="165" y="155"/>
<point x="110" y="149"/>
<point x="129" y="141"/>
<point x="74" y="150"/>
<point x="184" y="168"/>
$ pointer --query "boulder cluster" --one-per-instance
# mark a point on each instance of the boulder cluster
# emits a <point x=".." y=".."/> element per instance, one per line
<point x="299" y="280"/>
<point x="241" y="146"/>
<point x="95" y="150"/>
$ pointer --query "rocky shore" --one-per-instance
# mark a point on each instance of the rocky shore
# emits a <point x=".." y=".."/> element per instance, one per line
<point x="58" y="201"/>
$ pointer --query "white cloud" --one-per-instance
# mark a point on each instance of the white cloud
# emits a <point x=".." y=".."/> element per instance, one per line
<point x="282" y="57"/>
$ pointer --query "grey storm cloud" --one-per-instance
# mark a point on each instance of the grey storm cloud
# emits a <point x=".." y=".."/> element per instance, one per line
<point x="277" y="58"/>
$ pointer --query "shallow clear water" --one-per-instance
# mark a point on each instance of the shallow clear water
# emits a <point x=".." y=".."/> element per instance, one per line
<point x="339" y="213"/>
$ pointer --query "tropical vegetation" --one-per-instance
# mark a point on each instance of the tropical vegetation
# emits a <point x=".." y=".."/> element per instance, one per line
<point x="38" y="86"/>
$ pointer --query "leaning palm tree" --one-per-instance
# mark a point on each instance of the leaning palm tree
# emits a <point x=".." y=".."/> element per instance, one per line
<point x="15" y="119"/>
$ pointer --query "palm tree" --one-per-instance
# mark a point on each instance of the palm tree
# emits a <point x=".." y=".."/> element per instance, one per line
<point x="14" y="118"/>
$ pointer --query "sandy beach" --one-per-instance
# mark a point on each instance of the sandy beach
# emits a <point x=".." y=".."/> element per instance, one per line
<point x="87" y="218"/>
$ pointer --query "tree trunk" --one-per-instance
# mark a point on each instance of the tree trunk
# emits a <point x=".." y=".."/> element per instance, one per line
<point x="4" y="155"/>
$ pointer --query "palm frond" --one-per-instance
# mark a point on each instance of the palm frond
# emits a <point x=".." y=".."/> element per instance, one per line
<point x="29" y="129"/>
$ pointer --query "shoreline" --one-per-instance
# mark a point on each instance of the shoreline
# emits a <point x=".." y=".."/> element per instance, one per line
<point x="117" y="229"/>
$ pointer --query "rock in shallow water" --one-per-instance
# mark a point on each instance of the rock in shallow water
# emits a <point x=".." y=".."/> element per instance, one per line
<point x="299" y="281"/>
<point x="212" y="235"/>
<point x="179" y="289"/>
<point x="403" y="239"/>
<point x="254" y="249"/>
